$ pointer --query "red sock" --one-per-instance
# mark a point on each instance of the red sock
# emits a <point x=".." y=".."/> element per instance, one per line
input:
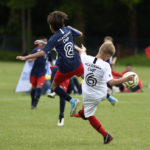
<point x="97" y="125"/>
<point x="80" y="114"/>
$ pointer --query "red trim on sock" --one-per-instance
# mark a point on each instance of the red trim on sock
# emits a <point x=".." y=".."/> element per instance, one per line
<point x="97" y="125"/>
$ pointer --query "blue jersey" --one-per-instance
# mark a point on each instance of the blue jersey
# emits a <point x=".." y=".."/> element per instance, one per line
<point x="39" y="66"/>
<point x="62" y="41"/>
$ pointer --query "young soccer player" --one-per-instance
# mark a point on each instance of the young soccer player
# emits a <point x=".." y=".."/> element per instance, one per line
<point x="37" y="76"/>
<point x="97" y="73"/>
<point x="112" y="60"/>
<point x="69" y="60"/>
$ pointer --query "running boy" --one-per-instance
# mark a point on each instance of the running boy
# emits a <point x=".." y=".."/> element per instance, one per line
<point x="37" y="76"/>
<point x="69" y="60"/>
<point x="97" y="73"/>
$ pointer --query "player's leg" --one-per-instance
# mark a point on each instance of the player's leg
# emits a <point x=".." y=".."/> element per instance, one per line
<point x="33" y="90"/>
<point x="73" y="102"/>
<point x="40" y="83"/>
<point x="111" y="99"/>
<point x="80" y="114"/>
<point x="62" y="103"/>
<point x="52" y="94"/>
<point x="90" y="107"/>
<point x="59" y="78"/>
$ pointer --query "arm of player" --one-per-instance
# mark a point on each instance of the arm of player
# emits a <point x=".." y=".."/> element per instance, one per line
<point x="29" y="60"/>
<point x="41" y="42"/>
<point x="121" y="80"/>
<point x="31" y="56"/>
<point x="81" y="50"/>
<point x="81" y="34"/>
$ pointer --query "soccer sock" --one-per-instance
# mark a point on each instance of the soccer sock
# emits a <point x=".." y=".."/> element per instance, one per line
<point x="97" y="125"/>
<point x="32" y="96"/>
<point x="62" y="103"/>
<point x="62" y="93"/>
<point x="108" y="95"/>
<point x="80" y="114"/>
<point x="37" y="96"/>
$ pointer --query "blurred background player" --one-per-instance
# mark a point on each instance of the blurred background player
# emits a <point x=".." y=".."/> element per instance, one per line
<point x="69" y="60"/>
<point x="97" y="73"/>
<point x="112" y="60"/>
<point x="74" y="86"/>
<point x="139" y="87"/>
<point x="37" y="76"/>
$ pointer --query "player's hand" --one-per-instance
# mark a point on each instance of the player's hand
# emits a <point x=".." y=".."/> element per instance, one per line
<point x="21" y="58"/>
<point x="37" y="42"/>
<point x="83" y="48"/>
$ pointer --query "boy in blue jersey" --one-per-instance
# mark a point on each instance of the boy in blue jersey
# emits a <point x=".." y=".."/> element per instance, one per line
<point x="69" y="59"/>
<point x="37" y="76"/>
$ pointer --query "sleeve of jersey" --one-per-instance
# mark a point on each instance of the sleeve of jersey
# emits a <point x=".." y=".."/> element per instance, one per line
<point x="74" y="31"/>
<point x="108" y="75"/>
<point x="83" y="57"/>
<point x="50" y="44"/>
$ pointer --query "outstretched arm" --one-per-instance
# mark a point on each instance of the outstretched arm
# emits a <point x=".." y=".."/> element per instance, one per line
<point x="121" y="80"/>
<point x="76" y="31"/>
<point x="31" y="56"/>
<point x="41" y="42"/>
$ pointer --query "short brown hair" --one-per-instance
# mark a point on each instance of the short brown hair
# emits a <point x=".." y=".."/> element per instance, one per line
<point x="56" y="19"/>
<point x="107" y="48"/>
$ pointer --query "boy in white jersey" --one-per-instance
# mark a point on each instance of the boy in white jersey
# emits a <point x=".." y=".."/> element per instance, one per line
<point x="97" y="73"/>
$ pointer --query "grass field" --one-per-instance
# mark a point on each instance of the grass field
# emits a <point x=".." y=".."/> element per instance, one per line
<point x="24" y="129"/>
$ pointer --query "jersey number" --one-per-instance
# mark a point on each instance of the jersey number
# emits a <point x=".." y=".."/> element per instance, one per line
<point x="69" y="50"/>
<point x="90" y="80"/>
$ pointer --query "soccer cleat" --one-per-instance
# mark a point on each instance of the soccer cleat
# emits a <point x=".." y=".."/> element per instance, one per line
<point x="108" y="138"/>
<point x="112" y="100"/>
<point x="60" y="122"/>
<point x="51" y="95"/>
<point x="33" y="107"/>
<point x="74" y="104"/>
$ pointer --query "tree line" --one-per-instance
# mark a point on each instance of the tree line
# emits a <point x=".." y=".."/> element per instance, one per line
<point x="118" y="18"/>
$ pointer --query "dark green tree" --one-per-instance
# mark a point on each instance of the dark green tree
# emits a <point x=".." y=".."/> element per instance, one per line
<point x="132" y="15"/>
<point x="24" y="6"/>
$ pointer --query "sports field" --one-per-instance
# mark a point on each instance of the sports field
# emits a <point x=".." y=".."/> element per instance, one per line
<point x="24" y="129"/>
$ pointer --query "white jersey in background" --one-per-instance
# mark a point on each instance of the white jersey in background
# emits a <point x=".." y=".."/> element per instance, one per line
<point x="96" y="75"/>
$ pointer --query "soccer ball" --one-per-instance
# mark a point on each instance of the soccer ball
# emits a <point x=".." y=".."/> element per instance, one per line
<point x="131" y="84"/>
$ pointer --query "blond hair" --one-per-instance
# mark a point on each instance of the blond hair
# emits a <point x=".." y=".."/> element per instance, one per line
<point x="107" y="48"/>
<point x="108" y="38"/>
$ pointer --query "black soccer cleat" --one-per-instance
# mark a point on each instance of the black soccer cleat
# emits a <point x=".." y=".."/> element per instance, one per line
<point x="108" y="138"/>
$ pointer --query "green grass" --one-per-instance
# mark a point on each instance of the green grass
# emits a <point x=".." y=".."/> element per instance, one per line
<point x="138" y="60"/>
<point x="24" y="129"/>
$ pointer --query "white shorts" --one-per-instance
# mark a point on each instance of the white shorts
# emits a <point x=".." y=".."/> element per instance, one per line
<point x="90" y="106"/>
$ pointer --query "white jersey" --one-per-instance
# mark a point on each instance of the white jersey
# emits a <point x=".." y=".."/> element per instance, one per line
<point x="96" y="75"/>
